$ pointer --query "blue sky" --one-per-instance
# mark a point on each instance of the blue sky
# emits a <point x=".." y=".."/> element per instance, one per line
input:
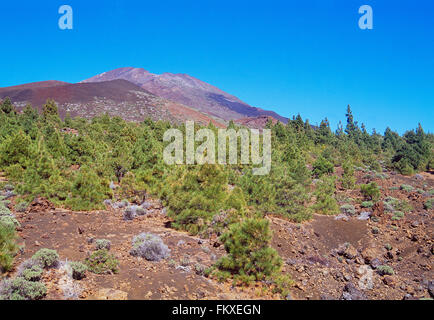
<point x="308" y="57"/>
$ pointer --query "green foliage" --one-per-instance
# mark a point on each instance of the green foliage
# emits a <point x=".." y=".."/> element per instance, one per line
<point x="348" y="209"/>
<point x="78" y="270"/>
<point x="406" y="187"/>
<point x="102" y="244"/>
<point x="414" y="152"/>
<point x="33" y="273"/>
<point x="50" y="109"/>
<point x="8" y="246"/>
<point x="7" y="107"/>
<point x="367" y="204"/>
<point x="48" y="258"/>
<point x="324" y="193"/>
<point x="322" y="166"/>
<point x="398" y="215"/>
<point x="370" y="191"/>
<point x="385" y="270"/>
<point x="22" y="289"/>
<point x="102" y="262"/>
<point x="249" y="255"/>
<point x="21" y="207"/>
<point x="348" y="179"/>
<point x="195" y="195"/>
<point x="392" y="204"/>
<point x="15" y="149"/>
<point x="429" y="204"/>
<point x="88" y="189"/>
<point x="9" y="220"/>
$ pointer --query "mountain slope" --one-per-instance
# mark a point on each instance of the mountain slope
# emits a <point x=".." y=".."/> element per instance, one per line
<point x="189" y="91"/>
<point x="117" y="98"/>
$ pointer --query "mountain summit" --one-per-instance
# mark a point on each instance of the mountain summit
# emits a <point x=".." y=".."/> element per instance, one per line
<point x="189" y="91"/>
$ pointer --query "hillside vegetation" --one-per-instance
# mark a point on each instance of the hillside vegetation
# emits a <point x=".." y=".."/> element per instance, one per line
<point x="79" y="163"/>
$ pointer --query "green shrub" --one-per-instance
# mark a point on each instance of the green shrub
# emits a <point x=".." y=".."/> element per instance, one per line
<point x="47" y="258"/>
<point x="367" y="204"/>
<point x="102" y="262"/>
<point x="195" y="196"/>
<point x="4" y="211"/>
<point x="429" y="204"/>
<point x="406" y="187"/>
<point x="249" y="255"/>
<point x="325" y="201"/>
<point x="322" y="166"/>
<point x="392" y="204"/>
<point x="22" y="289"/>
<point x="15" y="149"/>
<point x="78" y="270"/>
<point x="398" y="215"/>
<point x="10" y="221"/>
<point x="282" y="285"/>
<point x="32" y="274"/>
<point x="21" y="207"/>
<point x="385" y="270"/>
<point x="8" y="246"/>
<point x="370" y="191"/>
<point x="102" y="244"/>
<point x="348" y="209"/>
<point x="348" y="179"/>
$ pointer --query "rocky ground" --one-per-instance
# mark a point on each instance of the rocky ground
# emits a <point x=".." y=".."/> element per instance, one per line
<point x="329" y="257"/>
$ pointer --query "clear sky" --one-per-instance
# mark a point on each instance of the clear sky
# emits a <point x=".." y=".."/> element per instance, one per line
<point x="308" y="57"/>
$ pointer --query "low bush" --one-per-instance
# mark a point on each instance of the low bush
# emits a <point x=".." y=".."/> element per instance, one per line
<point x="150" y="247"/>
<point x="47" y="258"/>
<point x="9" y="220"/>
<point x="406" y="187"/>
<point x="21" y="207"/>
<point x="367" y="204"/>
<point x="370" y="191"/>
<point x="429" y="204"/>
<point x="78" y="270"/>
<point x="129" y="214"/>
<point x="32" y="274"/>
<point x="385" y="270"/>
<point x="398" y="215"/>
<point x="199" y="269"/>
<point x="21" y="289"/>
<point x="102" y="262"/>
<point x="348" y="209"/>
<point x="103" y="244"/>
<point x="392" y="204"/>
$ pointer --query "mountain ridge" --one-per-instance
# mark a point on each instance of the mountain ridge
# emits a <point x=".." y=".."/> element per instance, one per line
<point x="187" y="90"/>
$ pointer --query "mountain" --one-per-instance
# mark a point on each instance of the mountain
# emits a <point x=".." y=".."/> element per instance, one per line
<point x="189" y="91"/>
<point x="117" y="98"/>
<point x="255" y="122"/>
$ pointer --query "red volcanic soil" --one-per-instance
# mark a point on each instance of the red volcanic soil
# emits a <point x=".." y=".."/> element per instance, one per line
<point x="327" y="257"/>
<point x="256" y="122"/>
<point x="117" y="97"/>
<point x="34" y="85"/>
